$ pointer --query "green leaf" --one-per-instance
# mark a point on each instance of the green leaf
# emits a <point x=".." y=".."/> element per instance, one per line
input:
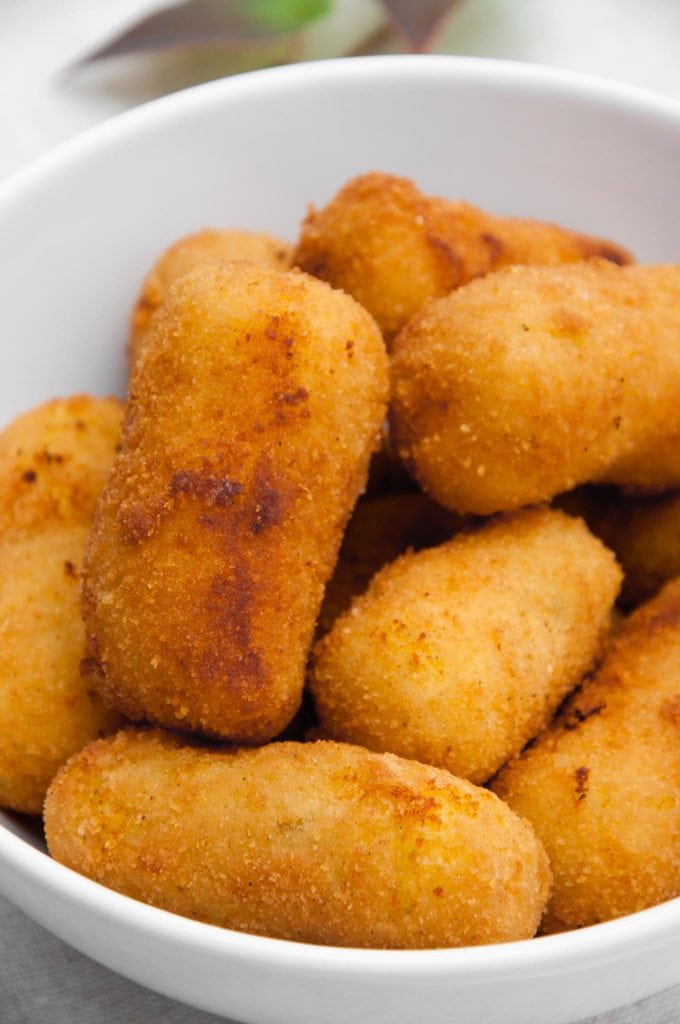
<point x="286" y="15"/>
<point x="230" y="23"/>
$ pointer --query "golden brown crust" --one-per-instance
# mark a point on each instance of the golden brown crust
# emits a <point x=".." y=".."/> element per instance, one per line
<point x="392" y="247"/>
<point x="320" y="842"/>
<point x="53" y="462"/>
<point x="379" y="531"/>
<point x="602" y="785"/>
<point x="458" y="655"/>
<point x="191" y="251"/>
<point x="534" y="379"/>
<point x="251" y="419"/>
<point x="643" y="532"/>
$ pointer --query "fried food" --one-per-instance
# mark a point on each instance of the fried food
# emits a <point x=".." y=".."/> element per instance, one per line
<point x="602" y="785"/>
<point x="250" y="425"/>
<point x="391" y="247"/>
<point x="53" y="461"/>
<point x="457" y="655"/>
<point x="534" y="379"/>
<point x="318" y="842"/>
<point x="379" y="531"/>
<point x="643" y="532"/>
<point x="190" y="252"/>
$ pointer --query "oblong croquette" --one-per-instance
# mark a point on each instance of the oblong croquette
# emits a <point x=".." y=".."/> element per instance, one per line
<point x="53" y="462"/>
<point x="459" y="654"/>
<point x="392" y="247"/>
<point x="250" y="425"/>
<point x="317" y="842"/>
<point x="535" y="379"/>
<point x="602" y="785"/>
<point x="189" y="252"/>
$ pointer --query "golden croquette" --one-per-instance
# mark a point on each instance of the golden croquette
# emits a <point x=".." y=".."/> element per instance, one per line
<point x="602" y="785"/>
<point x="458" y="655"/>
<point x="250" y="425"/>
<point x="53" y="461"/>
<point x="535" y="379"/>
<point x="392" y="247"/>
<point x="316" y="842"/>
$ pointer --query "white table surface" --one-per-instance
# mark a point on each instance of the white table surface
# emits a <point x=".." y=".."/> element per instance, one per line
<point x="43" y="981"/>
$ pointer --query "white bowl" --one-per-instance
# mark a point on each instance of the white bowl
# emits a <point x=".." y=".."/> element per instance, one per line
<point x="77" y="232"/>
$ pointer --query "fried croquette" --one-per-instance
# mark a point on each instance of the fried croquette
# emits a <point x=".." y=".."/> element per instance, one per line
<point x="190" y="252"/>
<point x="391" y="247"/>
<point x="379" y="531"/>
<point x="316" y="842"/>
<point x="643" y="532"/>
<point x="602" y="785"/>
<point x="53" y="462"/>
<point x="535" y="379"/>
<point x="250" y="425"/>
<point x="457" y="655"/>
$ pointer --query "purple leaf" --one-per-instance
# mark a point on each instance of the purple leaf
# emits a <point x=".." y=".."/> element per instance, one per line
<point x="194" y="23"/>
<point x="418" y="20"/>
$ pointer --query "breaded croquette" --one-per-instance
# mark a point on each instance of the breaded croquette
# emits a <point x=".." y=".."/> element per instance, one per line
<point x="250" y="425"/>
<point x="643" y="533"/>
<point x="53" y="462"/>
<point x="391" y="247"/>
<point x="602" y="785"/>
<point x="190" y="252"/>
<point x="457" y="655"/>
<point x="379" y="531"/>
<point x="317" y="842"/>
<point x="535" y="379"/>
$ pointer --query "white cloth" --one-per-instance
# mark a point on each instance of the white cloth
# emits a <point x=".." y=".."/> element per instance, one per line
<point x="42" y="981"/>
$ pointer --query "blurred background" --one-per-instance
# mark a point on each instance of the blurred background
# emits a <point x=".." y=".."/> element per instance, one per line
<point x="67" y="64"/>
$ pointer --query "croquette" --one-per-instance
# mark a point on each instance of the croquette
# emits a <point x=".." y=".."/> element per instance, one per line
<point x="315" y="842"/>
<point x="250" y="424"/>
<point x="53" y="462"/>
<point x="459" y="654"/>
<point x="602" y="785"/>
<point x="533" y="380"/>
<point x="391" y="247"/>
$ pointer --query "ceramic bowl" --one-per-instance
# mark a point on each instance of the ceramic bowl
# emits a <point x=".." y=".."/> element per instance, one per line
<point x="77" y="232"/>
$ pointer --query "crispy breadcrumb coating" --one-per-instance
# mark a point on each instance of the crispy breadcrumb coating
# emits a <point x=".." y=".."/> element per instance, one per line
<point x="316" y="842"/>
<point x="379" y="531"/>
<point x="643" y="532"/>
<point x="251" y="420"/>
<point x="189" y="252"/>
<point x="602" y="785"/>
<point x="534" y="379"/>
<point x="391" y="247"/>
<point x="53" y="462"/>
<point x="458" y="655"/>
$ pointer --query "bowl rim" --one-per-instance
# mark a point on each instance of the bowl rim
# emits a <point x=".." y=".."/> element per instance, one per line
<point x="600" y="943"/>
<point x="518" y="74"/>
<point x="597" y="944"/>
